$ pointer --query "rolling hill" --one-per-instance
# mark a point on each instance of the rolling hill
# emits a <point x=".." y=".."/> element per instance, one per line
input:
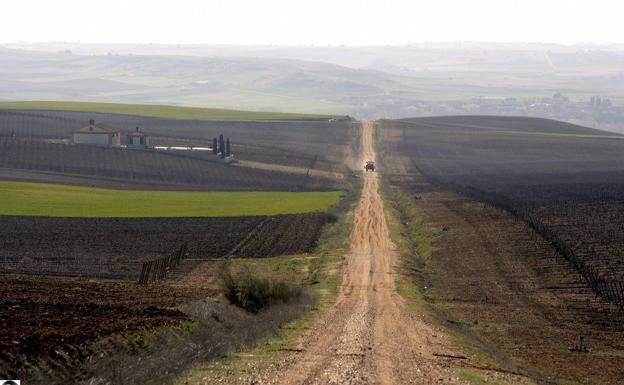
<point x="159" y="111"/>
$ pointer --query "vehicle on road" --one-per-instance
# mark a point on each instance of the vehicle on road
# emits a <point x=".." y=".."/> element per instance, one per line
<point x="370" y="166"/>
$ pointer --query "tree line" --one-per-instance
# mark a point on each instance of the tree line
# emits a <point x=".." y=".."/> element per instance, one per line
<point x="221" y="147"/>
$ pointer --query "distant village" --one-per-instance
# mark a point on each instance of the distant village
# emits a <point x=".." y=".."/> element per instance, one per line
<point x="595" y="111"/>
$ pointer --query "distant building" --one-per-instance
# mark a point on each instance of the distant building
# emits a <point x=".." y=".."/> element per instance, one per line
<point x="96" y="135"/>
<point x="495" y="100"/>
<point x="138" y="139"/>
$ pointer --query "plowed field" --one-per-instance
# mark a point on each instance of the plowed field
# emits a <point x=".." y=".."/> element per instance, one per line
<point x="114" y="248"/>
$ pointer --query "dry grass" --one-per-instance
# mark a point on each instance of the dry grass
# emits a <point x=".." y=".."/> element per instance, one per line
<point x="220" y="329"/>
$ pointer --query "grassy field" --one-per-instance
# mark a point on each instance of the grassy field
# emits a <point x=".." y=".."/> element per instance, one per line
<point x="38" y="199"/>
<point x="555" y="134"/>
<point x="158" y="111"/>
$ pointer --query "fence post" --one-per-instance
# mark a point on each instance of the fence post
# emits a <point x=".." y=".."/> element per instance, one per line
<point x="142" y="274"/>
<point x="163" y="268"/>
<point x="150" y="271"/>
<point x="158" y="268"/>
<point x="148" y="268"/>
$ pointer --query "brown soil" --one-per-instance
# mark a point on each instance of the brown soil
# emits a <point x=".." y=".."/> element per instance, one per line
<point x="41" y="315"/>
<point x="498" y="281"/>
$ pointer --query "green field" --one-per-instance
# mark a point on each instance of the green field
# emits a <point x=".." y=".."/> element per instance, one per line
<point x="157" y="111"/>
<point x="39" y="199"/>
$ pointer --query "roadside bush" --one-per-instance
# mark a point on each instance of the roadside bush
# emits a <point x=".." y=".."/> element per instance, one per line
<point x="252" y="293"/>
<point x="331" y="217"/>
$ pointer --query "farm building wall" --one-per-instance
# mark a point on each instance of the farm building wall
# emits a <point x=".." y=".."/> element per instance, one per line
<point x="138" y="141"/>
<point x="102" y="139"/>
<point x="99" y="139"/>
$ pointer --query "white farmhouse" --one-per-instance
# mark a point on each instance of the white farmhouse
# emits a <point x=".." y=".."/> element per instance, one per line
<point x="97" y="135"/>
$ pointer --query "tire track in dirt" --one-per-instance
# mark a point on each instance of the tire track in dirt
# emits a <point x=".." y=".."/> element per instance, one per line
<point x="368" y="337"/>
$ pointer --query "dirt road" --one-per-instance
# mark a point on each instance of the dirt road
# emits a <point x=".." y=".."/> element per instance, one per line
<point x="368" y="337"/>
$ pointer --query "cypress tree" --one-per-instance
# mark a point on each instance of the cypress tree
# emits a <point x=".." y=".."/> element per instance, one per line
<point x="228" y="151"/>
<point x="221" y="146"/>
<point x="215" y="149"/>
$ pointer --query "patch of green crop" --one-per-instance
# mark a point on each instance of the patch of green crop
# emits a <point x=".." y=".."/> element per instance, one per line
<point x="474" y="377"/>
<point x="608" y="353"/>
<point x="40" y="199"/>
<point x="560" y="135"/>
<point x="159" y="111"/>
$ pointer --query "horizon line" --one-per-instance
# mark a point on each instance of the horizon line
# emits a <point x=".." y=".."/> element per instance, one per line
<point x="316" y="45"/>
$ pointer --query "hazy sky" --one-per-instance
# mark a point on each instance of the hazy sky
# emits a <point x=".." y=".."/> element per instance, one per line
<point x="320" y="22"/>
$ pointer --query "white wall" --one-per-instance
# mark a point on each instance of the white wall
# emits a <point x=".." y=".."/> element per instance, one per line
<point x="91" y="138"/>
